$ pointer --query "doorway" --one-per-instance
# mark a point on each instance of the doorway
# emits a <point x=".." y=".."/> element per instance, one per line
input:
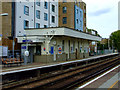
<point x="31" y="53"/>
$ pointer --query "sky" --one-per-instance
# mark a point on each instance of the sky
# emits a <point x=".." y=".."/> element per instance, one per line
<point x="102" y="15"/>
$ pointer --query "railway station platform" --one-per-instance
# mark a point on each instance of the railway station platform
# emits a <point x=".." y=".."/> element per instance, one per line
<point x="109" y="80"/>
<point x="34" y="66"/>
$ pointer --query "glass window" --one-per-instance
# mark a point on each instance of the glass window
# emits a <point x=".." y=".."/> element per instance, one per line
<point x="53" y="8"/>
<point x="77" y="11"/>
<point x="45" y="16"/>
<point x="37" y="25"/>
<point x="45" y="5"/>
<point x="26" y="10"/>
<point x="80" y="14"/>
<point x="64" y="9"/>
<point x="69" y="45"/>
<point x="38" y="50"/>
<point x="26" y="24"/>
<point x="64" y="20"/>
<point x="37" y="14"/>
<point x="45" y="26"/>
<point x="63" y="45"/>
<point x="80" y="23"/>
<point x="53" y="19"/>
<point x="73" y="45"/>
<point x="77" y="21"/>
<point x="38" y="2"/>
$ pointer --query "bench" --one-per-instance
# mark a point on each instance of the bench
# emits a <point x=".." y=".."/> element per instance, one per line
<point x="11" y="61"/>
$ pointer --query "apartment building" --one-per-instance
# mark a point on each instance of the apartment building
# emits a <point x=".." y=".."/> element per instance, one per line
<point x="37" y="14"/>
<point x="17" y="16"/>
<point x="72" y="14"/>
<point x="5" y="27"/>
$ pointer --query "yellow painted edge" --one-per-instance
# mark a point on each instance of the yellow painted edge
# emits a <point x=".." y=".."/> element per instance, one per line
<point x="113" y="85"/>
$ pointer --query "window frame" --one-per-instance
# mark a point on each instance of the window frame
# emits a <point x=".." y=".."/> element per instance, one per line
<point x="45" y="26"/>
<point x="45" y="16"/>
<point x="46" y="5"/>
<point x="37" y="14"/>
<point x="80" y="23"/>
<point x="64" y="11"/>
<point x="77" y="21"/>
<point x="26" y="24"/>
<point x="53" y="8"/>
<point x="25" y="11"/>
<point x="53" y="21"/>
<point x="38" y="3"/>
<point x="63" y="45"/>
<point x="64" y="21"/>
<point x="37" y="25"/>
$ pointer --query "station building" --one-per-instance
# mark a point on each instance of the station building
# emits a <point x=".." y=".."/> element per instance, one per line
<point x="54" y="29"/>
<point x="56" y="44"/>
<point x="16" y="15"/>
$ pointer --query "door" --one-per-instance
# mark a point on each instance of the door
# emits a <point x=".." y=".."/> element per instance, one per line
<point x="31" y="53"/>
<point x="76" y="53"/>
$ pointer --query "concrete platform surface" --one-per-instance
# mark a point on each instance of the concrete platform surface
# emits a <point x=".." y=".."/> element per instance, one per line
<point x="110" y="80"/>
<point x="6" y="70"/>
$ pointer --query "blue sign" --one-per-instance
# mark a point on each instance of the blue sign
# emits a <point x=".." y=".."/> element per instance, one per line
<point x="26" y="40"/>
<point x="23" y="47"/>
<point x="0" y="35"/>
<point x="59" y="50"/>
<point x="52" y="50"/>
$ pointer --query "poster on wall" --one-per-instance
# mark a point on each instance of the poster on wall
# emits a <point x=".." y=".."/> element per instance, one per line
<point x="5" y="51"/>
<point x="71" y="49"/>
<point x="0" y="51"/>
<point x="95" y="49"/>
<point x="80" y="49"/>
<point x="0" y="37"/>
<point x="52" y="50"/>
<point x="59" y="49"/>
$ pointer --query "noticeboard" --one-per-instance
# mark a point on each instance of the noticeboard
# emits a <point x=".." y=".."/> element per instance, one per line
<point x="5" y="51"/>
<point x="0" y="51"/>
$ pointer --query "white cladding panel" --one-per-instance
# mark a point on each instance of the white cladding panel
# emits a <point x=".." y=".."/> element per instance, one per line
<point x="59" y="32"/>
<point x="20" y="16"/>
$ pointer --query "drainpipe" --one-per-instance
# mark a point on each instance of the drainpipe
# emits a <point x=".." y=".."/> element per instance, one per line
<point x="34" y="14"/>
<point x="49" y="14"/>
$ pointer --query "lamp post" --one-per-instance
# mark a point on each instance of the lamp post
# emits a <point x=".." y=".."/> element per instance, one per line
<point x="26" y="53"/>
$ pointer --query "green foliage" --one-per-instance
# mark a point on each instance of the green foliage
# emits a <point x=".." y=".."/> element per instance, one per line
<point x="102" y="46"/>
<point x="115" y="38"/>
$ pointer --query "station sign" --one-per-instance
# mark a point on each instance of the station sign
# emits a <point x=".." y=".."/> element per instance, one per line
<point x="60" y="50"/>
<point x="44" y="49"/>
<point x="23" y="47"/>
<point x="52" y="50"/>
<point x="26" y="41"/>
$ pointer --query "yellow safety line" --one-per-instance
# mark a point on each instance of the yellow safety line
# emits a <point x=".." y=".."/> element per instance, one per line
<point x="113" y="85"/>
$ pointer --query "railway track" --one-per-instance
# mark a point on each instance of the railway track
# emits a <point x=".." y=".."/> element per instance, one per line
<point x="66" y="78"/>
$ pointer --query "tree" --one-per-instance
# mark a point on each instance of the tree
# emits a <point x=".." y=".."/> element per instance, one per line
<point x="115" y="39"/>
